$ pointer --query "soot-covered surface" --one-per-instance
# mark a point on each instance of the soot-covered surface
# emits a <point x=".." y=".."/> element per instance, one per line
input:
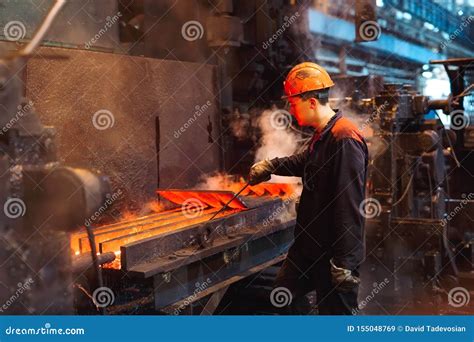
<point x="134" y="93"/>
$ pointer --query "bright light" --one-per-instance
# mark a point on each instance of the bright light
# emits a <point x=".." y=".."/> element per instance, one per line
<point x="427" y="74"/>
<point x="426" y="66"/>
<point x="438" y="88"/>
<point x="380" y="3"/>
<point x="407" y="16"/>
<point x="429" y="26"/>
<point x="460" y="12"/>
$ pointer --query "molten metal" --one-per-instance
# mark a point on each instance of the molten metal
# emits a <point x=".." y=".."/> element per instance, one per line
<point x="190" y="207"/>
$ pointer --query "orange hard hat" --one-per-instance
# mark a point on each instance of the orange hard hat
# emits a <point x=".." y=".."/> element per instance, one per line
<point x="305" y="77"/>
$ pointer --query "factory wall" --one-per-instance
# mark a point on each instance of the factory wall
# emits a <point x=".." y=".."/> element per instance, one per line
<point x="144" y="122"/>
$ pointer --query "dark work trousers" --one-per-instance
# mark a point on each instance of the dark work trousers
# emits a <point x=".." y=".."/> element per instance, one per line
<point x="300" y="275"/>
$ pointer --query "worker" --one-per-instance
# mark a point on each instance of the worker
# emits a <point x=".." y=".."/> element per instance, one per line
<point x="328" y="243"/>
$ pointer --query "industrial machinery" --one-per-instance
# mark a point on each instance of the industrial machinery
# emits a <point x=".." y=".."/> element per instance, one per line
<point x="42" y="199"/>
<point x="418" y="230"/>
<point x="173" y="258"/>
<point x="57" y="256"/>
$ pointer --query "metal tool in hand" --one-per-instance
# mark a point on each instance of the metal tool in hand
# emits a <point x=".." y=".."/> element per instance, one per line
<point x="230" y="201"/>
<point x="204" y="236"/>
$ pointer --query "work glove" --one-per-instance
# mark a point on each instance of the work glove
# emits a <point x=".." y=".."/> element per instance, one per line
<point x="261" y="172"/>
<point x="343" y="279"/>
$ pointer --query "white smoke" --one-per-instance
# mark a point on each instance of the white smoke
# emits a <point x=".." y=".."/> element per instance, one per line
<point x="367" y="121"/>
<point x="276" y="143"/>
<point x="240" y="125"/>
<point x="219" y="181"/>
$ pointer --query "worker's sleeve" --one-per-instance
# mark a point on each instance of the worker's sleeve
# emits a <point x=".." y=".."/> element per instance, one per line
<point x="349" y="192"/>
<point x="290" y="166"/>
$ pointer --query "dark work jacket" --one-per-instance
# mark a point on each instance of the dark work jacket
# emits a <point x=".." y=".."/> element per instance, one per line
<point x="334" y="170"/>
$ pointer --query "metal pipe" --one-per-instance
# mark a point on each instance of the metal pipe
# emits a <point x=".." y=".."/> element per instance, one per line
<point x="84" y="261"/>
<point x="233" y="198"/>
<point x="43" y="29"/>
<point x="439" y="104"/>
<point x="95" y="261"/>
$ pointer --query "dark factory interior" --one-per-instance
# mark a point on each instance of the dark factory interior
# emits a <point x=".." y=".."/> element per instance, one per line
<point x="128" y="129"/>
